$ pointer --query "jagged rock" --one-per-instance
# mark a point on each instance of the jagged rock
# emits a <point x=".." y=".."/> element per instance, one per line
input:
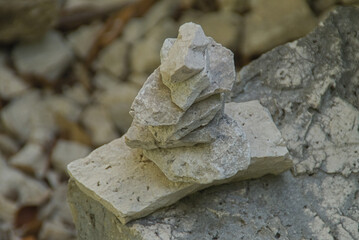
<point x="141" y="184"/>
<point x="200" y="114"/>
<point x="26" y="20"/>
<point x="139" y="136"/>
<point x="186" y="57"/>
<point x="65" y="152"/>
<point x="205" y="163"/>
<point x="153" y="105"/>
<point x="48" y="57"/>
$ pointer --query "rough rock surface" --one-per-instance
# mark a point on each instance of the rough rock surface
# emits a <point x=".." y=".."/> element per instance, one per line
<point x="47" y="58"/>
<point x="195" y="73"/>
<point x="310" y="85"/>
<point x="224" y="157"/>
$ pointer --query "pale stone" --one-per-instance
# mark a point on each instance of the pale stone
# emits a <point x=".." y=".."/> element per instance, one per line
<point x="31" y="158"/>
<point x="205" y="163"/>
<point x="137" y="79"/>
<point x="117" y="100"/>
<point x="8" y="145"/>
<point x="78" y="94"/>
<point x="220" y="69"/>
<point x="58" y="105"/>
<point x="98" y="121"/>
<point x="66" y="151"/>
<point x="116" y="170"/>
<point x="55" y="231"/>
<point x="139" y="136"/>
<point x="113" y="59"/>
<point x="186" y="56"/>
<point x="48" y="57"/>
<point x="82" y="39"/>
<point x="7" y="210"/>
<point x="10" y="85"/>
<point x="26" y="190"/>
<point x="199" y="114"/>
<point x="153" y="106"/>
<point x="263" y="136"/>
<point x="105" y="80"/>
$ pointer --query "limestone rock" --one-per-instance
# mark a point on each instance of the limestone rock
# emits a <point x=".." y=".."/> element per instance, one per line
<point x="48" y="57"/>
<point x="205" y="163"/>
<point x="153" y="105"/>
<point x="186" y="56"/>
<point x="31" y="158"/>
<point x="199" y="114"/>
<point x="81" y="39"/>
<point x="66" y="151"/>
<point x="113" y="59"/>
<point x="10" y="85"/>
<point x="26" y="20"/>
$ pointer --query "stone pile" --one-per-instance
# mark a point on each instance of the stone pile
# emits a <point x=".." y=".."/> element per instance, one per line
<point x="183" y="138"/>
<point x="178" y="114"/>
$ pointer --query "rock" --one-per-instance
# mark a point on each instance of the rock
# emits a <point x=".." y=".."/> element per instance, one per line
<point x="20" y="188"/>
<point x="78" y="94"/>
<point x="113" y="59"/>
<point x="7" y="210"/>
<point x="66" y="151"/>
<point x="159" y="110"/>
<point x="140" y="183"/>
<point x="62" y="106"/>
<point x="268" y="24"/>
<point x="137" y="79"/>
<point x="240" y="6"/>
<point x="98" y="122"/>
<point x="105" y="81"/>
<point x="186" y="57"/>
<point x="82" y="39"/>
<point x="8" y="145"/>
<point x="10" y="85"/>
<point x="308" y="96"/>
<point x="117" y="100"/>
<point x="139" y="136"/>
<point x="31" y="158"/>
<point x="48" y="57"/>
<point x="200" y="114"/>
<point x="26" y="20"/>
<point x="91" y="4"/>
<point x="144" y="54"/>
<point x="206" y="163"/>
<point x="55" y="231"/>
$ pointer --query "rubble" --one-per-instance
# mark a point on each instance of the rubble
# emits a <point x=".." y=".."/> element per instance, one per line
<point x="10" y="85"/>
<point x="46" y="58"/>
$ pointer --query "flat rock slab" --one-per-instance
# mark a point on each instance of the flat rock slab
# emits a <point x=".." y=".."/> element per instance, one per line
<point x="130" y="186"/>
<point x="205" y="163"/>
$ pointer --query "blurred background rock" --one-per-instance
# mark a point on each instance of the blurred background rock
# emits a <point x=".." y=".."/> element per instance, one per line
<point x="70" y="69"/>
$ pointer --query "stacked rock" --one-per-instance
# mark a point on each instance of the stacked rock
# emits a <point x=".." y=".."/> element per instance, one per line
<point x="178" y="114"/>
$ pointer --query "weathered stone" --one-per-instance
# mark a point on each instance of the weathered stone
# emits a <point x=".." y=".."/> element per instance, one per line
<point x="31" y="158"/>
<point x="82" y="39"/>
<point x="26" y="20"/>
<point x="113" y="59"/>
<point x="187" y="55"/>
<point x="199" y="114"/>
<point x="205" y="163"/>
<point x="139" y="136"/>
<point x="153" y="105"/>
<point x="221" y="70"/>
<point x="98" y="122"/>
<point x="66" y="151"/>
<point x="48" y="57"/>
<point x="25" y="190"/>
<point x="126" y="171"/>
<point x="10" y="85"/>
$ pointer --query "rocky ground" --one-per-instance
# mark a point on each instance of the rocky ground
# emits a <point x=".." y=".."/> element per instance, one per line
<point x="69" y="71"/>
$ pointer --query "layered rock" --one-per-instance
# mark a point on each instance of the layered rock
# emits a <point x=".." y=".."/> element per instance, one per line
<point x="183" y="98"/>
